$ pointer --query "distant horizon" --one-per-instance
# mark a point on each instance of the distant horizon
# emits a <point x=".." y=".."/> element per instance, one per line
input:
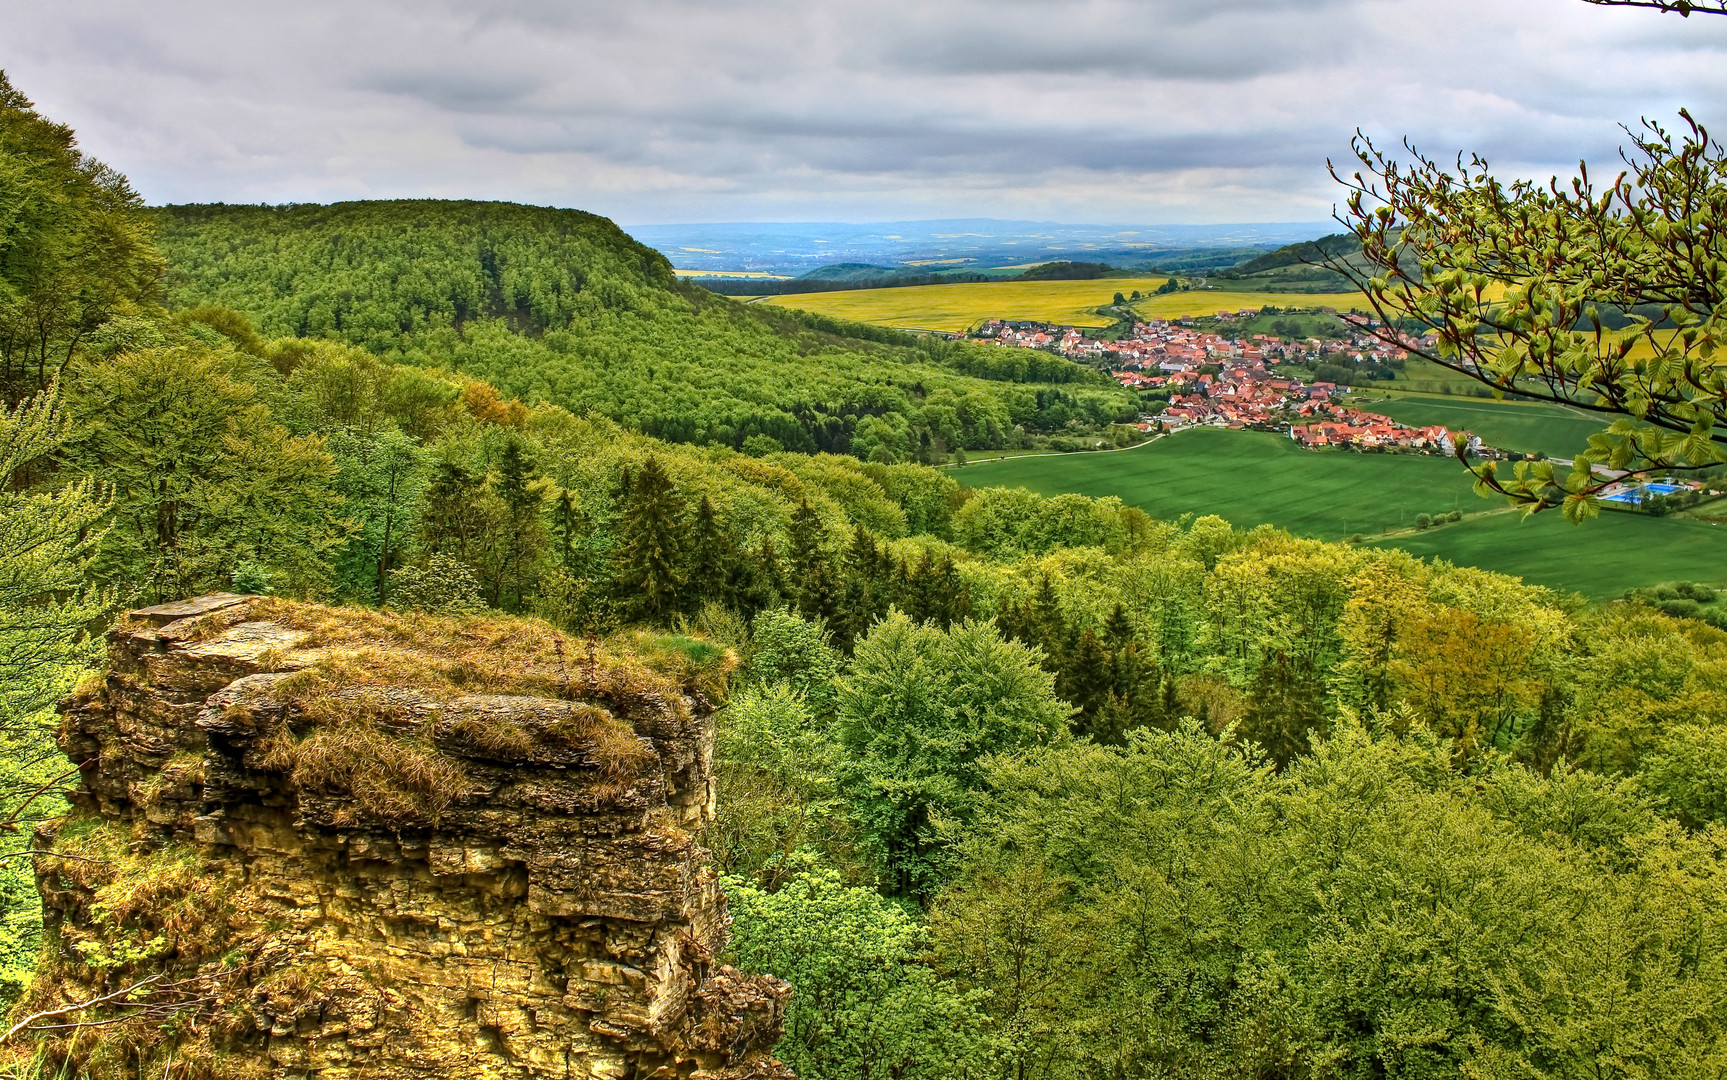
<point x="770" y="221"/>
<point x="1290" y="223"/>
<point x="949" y="243"/>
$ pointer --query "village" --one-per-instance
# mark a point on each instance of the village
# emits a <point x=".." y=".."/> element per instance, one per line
<point x="1232" y="382"/>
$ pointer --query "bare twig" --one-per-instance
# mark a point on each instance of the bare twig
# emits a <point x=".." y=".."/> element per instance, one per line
<point x="44" y="851"/>
<point x="10" y="822"/>
<point x="64" y="1010"/>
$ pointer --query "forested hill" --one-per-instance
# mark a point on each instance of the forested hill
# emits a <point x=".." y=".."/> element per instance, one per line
<point x="562" y="306"/>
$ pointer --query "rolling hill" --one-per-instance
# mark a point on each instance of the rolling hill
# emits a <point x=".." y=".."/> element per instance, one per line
<point x="563" y="306"/>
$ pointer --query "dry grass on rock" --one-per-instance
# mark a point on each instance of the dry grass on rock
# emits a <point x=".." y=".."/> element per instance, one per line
<point x="364" y="708"/>
<point x="498" y="654"/>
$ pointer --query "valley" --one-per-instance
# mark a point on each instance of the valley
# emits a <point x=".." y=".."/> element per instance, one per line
<point x="1255" y="478"/>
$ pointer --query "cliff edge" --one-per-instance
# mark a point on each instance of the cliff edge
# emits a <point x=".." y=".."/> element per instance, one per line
<point x="319" y="842"/>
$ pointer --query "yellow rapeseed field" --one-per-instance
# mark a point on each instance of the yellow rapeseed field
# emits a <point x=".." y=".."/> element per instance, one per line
<point x="731" y="274"/>
<point x="1071" y="303"/>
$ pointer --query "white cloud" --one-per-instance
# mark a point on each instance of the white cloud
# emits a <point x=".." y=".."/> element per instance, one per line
<point x="667" y="110"/>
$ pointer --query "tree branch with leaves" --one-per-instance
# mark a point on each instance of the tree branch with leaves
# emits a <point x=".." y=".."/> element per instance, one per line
<point x="1681" y="7"/>
<point x="1604" y="297"/>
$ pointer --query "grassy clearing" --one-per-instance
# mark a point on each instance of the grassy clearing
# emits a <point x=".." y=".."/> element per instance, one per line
<point x="1523" y="426"/>
<point x="1253" y="478"/>
<point x="1599" y="559"/>
<point x="952" y="308"/>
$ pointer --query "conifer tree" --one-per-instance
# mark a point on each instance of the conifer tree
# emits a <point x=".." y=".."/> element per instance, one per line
<point x="518" y="545"/>
<point x="767" y="583"/>
<point x="864" y="592"/>
<point x="1012" y="621"/>
<point x="1170" y="707"/>
<point x="1283" y="706"/>
<point x="515" y="472"/>
<point x="650" y="576"/>
<point x="713" y="557"/>
<point x="1084" y="682"/>
<point x="934" y="592"/>
<point x="1118" y="629"/>
<point x="566" y="520"/>
<point x="453" y="521"/>
<point x="1134" y="676"/>
<point x="1046" y="624"/>
<point x="956" y="601"/>
<point x="813" y="578"/>
<point x="921" y="601"/>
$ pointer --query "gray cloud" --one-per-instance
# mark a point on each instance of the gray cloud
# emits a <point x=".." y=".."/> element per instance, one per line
<point x="667" y="110"/>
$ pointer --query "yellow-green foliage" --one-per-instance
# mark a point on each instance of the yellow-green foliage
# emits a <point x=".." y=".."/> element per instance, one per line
<point x="1071" y="303"/>
<point x="142" y="907"/>
<point x="147" y="901"/>
<point x="559" y="306"/>
<point x="755" y="497"/>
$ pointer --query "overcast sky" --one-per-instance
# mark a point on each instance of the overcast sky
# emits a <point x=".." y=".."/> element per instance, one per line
<point x="652" y="111"/>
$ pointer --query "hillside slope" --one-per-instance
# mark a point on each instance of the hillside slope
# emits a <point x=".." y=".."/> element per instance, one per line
<point x="1293" y="268"/>
<point x="562" y="306"/>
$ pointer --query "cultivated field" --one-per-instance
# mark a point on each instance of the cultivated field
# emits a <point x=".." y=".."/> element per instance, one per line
<point x="1254" y="478"/>
<point x="952" y="308"/>
<point x="1525" y="427"/>
<point x="1600" y="558"/>
<point x="1251" y="478"/>
<point x="731" y="274"/>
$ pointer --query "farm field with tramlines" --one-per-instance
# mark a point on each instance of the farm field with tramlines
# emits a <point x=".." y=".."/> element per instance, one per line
<point x="954" y="308"/>
<point x="1256" y="478"/>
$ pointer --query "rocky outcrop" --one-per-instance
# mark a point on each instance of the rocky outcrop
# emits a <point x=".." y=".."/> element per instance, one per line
<point x="341" y="844"/>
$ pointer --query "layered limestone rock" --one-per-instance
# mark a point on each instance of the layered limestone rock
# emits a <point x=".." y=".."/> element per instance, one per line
<point x="341" y="844"/>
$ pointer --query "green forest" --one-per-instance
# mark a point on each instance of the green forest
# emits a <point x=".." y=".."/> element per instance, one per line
<point x="1009" y="785"/>
<point x="561" y="307"/>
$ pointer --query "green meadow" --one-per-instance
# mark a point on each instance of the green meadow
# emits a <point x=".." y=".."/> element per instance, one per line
<point x="1526" y="427"/>
<point x="1255" y="478"/>
<point x="1600" y="558"/>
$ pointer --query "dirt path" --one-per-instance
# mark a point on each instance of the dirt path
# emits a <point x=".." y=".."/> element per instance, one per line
<point x="1067" y="453"/>
<point x="1466" y="517"/>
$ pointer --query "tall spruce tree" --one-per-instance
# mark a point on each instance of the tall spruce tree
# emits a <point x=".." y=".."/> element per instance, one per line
<point x="453" y="521"/>
<point x="713" y="557"/>
<point x="567" y="521"/>
<point x="1047" y="625"/>
<point x="1169" y="705"/>
<point x="764" y="584"/>
<point x="650" y="562"/>
<point x="915" y="594"/>
<point x="1284" y="705"/>
<point x="865" y="588"/>
<point x="814" y="582"/>
<point x="519" y="544"/>
<point x="1085" y="682"/>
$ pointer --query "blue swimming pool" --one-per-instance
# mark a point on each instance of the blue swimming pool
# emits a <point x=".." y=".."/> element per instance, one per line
<point x="1635" y="495"/>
